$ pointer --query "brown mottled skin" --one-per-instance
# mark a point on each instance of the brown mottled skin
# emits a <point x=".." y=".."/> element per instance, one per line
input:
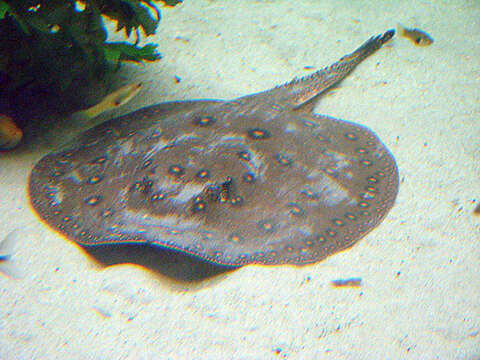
<point x="259" y="179"/>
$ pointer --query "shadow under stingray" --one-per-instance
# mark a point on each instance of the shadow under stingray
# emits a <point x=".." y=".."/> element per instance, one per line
<point x="170" y="263"/>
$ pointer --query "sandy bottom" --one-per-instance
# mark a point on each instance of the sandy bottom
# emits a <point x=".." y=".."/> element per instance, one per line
<point x="420" y="297"/>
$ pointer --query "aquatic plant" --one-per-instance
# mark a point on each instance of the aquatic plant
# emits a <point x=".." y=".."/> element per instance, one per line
<point x="60" y="46"/>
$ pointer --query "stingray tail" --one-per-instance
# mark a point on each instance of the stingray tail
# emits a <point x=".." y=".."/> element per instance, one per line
<point x="303" y="90"/>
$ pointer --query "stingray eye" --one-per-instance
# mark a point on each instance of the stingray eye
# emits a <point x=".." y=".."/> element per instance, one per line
<point x="226" y="189"/>
<point x="418" y="40"/>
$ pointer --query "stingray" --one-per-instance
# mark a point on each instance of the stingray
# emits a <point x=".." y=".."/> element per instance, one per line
<point x="258" y="179"/>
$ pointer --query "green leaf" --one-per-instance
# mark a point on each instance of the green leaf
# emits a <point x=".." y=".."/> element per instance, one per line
<point x="146" y="21"/>
<point x="53" y="46"/>
<point x="153" y="8"/>
<point x="4" y="8"/>
<point x="111" y="53"/>
<point x="171" y="2"/>
<point x="125" y="51"/>
<point x="132" y="15"/>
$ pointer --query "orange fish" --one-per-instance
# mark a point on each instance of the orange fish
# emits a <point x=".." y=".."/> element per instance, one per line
<point x="10" y="133"/>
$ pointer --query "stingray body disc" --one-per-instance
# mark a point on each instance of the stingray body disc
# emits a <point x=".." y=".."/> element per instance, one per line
<point x="230" y="182"/>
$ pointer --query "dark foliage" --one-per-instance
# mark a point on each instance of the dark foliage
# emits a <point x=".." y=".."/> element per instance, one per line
<point x="59" y="46"/>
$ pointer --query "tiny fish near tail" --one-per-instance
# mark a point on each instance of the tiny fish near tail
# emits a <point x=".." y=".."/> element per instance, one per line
<point x="417" y="36"/>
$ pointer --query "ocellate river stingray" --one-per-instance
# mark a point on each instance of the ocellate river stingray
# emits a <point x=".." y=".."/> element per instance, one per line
<point x="259" y="179"/>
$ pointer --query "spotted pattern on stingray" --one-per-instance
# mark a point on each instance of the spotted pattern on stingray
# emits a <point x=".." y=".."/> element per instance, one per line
<point x="259" y="179"/>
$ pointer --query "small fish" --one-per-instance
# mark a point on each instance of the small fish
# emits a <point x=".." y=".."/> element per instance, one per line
<point x="115" y="99"/>
<point x="7" y="250"/>
<point x="419" y="37"/>
<point x="85" y="119"/>
<point x="350" y="282"/>
<point x="10" y="134"/>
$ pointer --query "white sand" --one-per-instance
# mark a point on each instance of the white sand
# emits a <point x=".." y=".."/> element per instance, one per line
<point x="420" y="297"/>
